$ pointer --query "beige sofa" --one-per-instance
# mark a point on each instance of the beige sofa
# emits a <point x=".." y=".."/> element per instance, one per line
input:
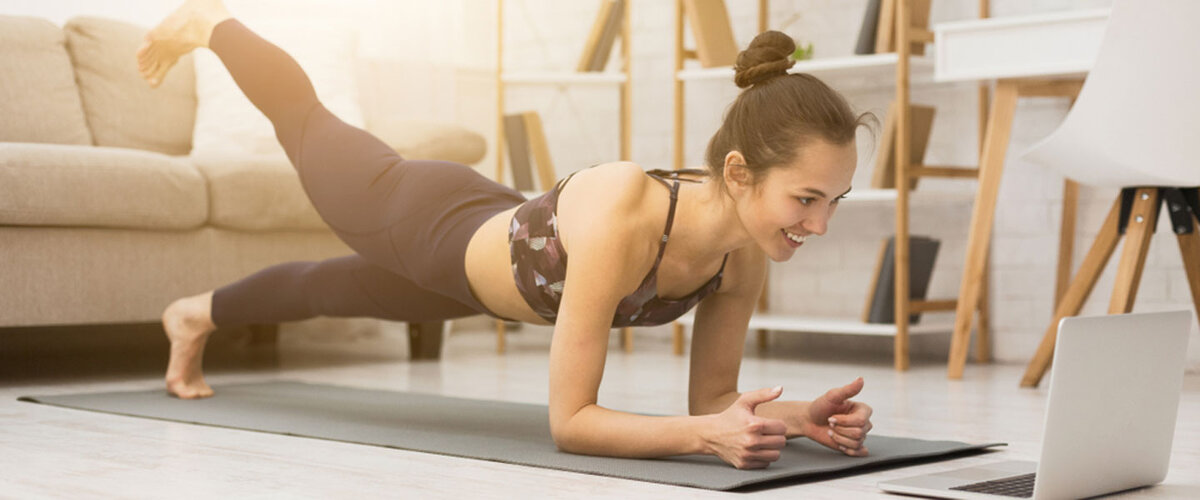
<point x="104" y="215"/>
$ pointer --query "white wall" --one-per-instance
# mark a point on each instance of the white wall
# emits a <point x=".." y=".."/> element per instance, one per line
<point x="449" y="48"/>
<point x="831" y="274"/>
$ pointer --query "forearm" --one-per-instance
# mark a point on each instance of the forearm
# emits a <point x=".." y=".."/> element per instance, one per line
<point x="790" y="412"/>
<point x="595" y="430"/>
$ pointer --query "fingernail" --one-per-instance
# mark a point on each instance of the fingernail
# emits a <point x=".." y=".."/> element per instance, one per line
<point x="840" y="447"/>
<point x="831" y="433"/>
<point x="777" y="388"/>
<point x="832" y="421"/>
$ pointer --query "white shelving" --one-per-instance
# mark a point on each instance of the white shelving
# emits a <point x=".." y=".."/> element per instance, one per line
<point x="562" y="78"/>
<point x="812" y="324"/>
<point x="849" y="72"/>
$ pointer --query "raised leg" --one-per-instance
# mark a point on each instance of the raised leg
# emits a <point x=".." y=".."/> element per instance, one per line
<point x="1076" y="294"/>
<point x="991" y="166"/>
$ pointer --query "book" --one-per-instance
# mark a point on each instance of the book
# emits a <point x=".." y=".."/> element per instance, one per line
<point x="518" y="152"/>
<point x="921" y="121"/>
<point x="885" y="26"/>
<point x="881" y="301"/>
<point x="597" y="32"/>
<point x="870" y="25"/>
<point x="715" y="45"/>
<point x="612" y="29"/>
<point x="885" y="33"/>
<point x="540" y="149"/>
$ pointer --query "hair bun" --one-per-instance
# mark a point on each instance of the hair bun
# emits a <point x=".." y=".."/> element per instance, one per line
<point x="768" y="56"/>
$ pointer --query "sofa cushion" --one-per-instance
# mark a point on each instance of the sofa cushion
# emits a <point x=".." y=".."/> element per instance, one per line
<point x="226" y="121"/>
<point x="421" y="140"/>
<point x="122" y="110"/>
<point x="38" y="98"/>
<point x="61" y="185"/>
<point x="255" y="193"/>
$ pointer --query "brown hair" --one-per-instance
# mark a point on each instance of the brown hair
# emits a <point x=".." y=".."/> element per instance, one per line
<point x="778" y="113"/>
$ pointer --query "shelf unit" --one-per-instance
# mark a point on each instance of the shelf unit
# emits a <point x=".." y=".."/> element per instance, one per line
<point x="901" y="70"/>
<point x="623" y="80"/>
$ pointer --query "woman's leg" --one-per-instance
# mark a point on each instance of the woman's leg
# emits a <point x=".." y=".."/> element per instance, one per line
<point x="340" y="287"/>
<point x="350" y="175"/>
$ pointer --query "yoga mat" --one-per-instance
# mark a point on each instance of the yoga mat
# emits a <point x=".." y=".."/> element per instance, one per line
<point x="500" y="431"/>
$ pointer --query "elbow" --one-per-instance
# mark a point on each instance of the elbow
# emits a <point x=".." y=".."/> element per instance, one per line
<point x="561" y="431"/>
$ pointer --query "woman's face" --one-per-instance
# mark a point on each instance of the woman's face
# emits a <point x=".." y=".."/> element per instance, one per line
<point x="792" y="202"/>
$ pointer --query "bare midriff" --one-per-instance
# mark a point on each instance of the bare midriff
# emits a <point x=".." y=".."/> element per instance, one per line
<point x="489" y="271"/>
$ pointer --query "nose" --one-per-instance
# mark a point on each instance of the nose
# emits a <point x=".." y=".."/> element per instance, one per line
<point x="817" y="223"/>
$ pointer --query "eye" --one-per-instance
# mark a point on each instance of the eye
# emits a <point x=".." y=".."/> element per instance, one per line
<point x="839" y="198"/>
<point x="806" y="201"/>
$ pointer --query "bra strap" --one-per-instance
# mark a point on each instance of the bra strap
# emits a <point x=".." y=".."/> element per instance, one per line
<point x="662" y="245"/>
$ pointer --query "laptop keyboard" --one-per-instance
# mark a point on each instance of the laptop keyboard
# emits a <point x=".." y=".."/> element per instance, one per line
<point x="1016" y="486"/>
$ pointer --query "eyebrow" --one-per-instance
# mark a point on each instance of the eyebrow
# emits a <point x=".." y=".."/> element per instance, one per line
<point x="822" y="194"/>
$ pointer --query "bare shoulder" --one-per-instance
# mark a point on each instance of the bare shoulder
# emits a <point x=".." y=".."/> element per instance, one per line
<point x="623" y="182"/>
<point x="604" y="212"/>
<point x="745" y="272"/>
<point x="609" y="193"/>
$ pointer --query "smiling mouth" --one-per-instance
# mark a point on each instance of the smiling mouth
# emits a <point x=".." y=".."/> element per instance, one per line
<point x="793" y="238"/>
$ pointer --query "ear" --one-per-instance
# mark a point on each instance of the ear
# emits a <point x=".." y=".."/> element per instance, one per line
<point x="736" y="174"/>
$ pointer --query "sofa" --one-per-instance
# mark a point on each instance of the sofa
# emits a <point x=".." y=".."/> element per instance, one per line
<point x="106" y="212"/>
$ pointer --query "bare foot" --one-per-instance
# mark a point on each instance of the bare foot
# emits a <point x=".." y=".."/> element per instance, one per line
<point x="183" y="31"/>
<point x="188" y="322"/>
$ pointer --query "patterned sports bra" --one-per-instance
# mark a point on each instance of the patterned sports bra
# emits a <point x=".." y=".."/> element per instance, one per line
<point x="539" y="264"/>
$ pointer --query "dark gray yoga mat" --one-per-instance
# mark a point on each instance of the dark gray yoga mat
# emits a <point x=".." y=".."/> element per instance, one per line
<point x="500" y="431"/>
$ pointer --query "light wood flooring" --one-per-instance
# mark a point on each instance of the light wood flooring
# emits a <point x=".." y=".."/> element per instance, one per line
<point x="53" y="452"/>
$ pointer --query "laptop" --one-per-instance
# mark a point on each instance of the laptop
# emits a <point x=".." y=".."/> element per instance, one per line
<point x="1110" y="415"/>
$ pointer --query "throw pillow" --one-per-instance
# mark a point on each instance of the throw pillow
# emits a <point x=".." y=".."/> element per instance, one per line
<point x="39" y="101"/>
<point x="122" y="109"/>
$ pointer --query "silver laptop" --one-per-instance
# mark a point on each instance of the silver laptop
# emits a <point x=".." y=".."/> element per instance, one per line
<point x="1110" y="417"/>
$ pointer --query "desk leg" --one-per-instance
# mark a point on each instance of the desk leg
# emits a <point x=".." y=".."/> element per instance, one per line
<point x="991" y="166"/>
<point x="983" y="348"/>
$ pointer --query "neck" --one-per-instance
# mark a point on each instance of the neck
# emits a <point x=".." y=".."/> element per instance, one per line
<point x="710" y="225"/>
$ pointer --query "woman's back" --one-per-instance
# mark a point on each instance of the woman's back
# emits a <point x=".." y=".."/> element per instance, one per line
<point x="617" y="199"/>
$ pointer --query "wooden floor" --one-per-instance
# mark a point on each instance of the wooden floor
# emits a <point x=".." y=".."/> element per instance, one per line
<point x="54" y="452"/>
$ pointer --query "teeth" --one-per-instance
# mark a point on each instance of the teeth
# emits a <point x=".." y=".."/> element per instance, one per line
<point x="794" y="237"/>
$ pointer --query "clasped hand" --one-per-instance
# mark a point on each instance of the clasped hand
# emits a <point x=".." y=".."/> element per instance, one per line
<point x="748" y="441"/>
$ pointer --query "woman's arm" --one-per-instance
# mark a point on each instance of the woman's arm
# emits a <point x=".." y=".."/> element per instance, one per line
<point x="717" y="344"/>
<point x="609" y="258"/>
<point x="601" y="231"/>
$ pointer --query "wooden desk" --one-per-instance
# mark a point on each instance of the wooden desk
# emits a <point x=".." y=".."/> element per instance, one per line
<point x="1045" y="55"/>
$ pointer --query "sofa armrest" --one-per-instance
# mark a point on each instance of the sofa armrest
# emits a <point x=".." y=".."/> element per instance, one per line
<point x="422" y="140"/>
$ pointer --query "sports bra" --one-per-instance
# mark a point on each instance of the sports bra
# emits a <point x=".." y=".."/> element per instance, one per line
<point x="539" y="263"/>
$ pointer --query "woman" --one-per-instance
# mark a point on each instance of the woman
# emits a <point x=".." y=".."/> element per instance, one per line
<point x="436" y="240"/>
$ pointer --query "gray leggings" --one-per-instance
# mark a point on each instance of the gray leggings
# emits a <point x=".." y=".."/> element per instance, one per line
<point x="409" y="221"/>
